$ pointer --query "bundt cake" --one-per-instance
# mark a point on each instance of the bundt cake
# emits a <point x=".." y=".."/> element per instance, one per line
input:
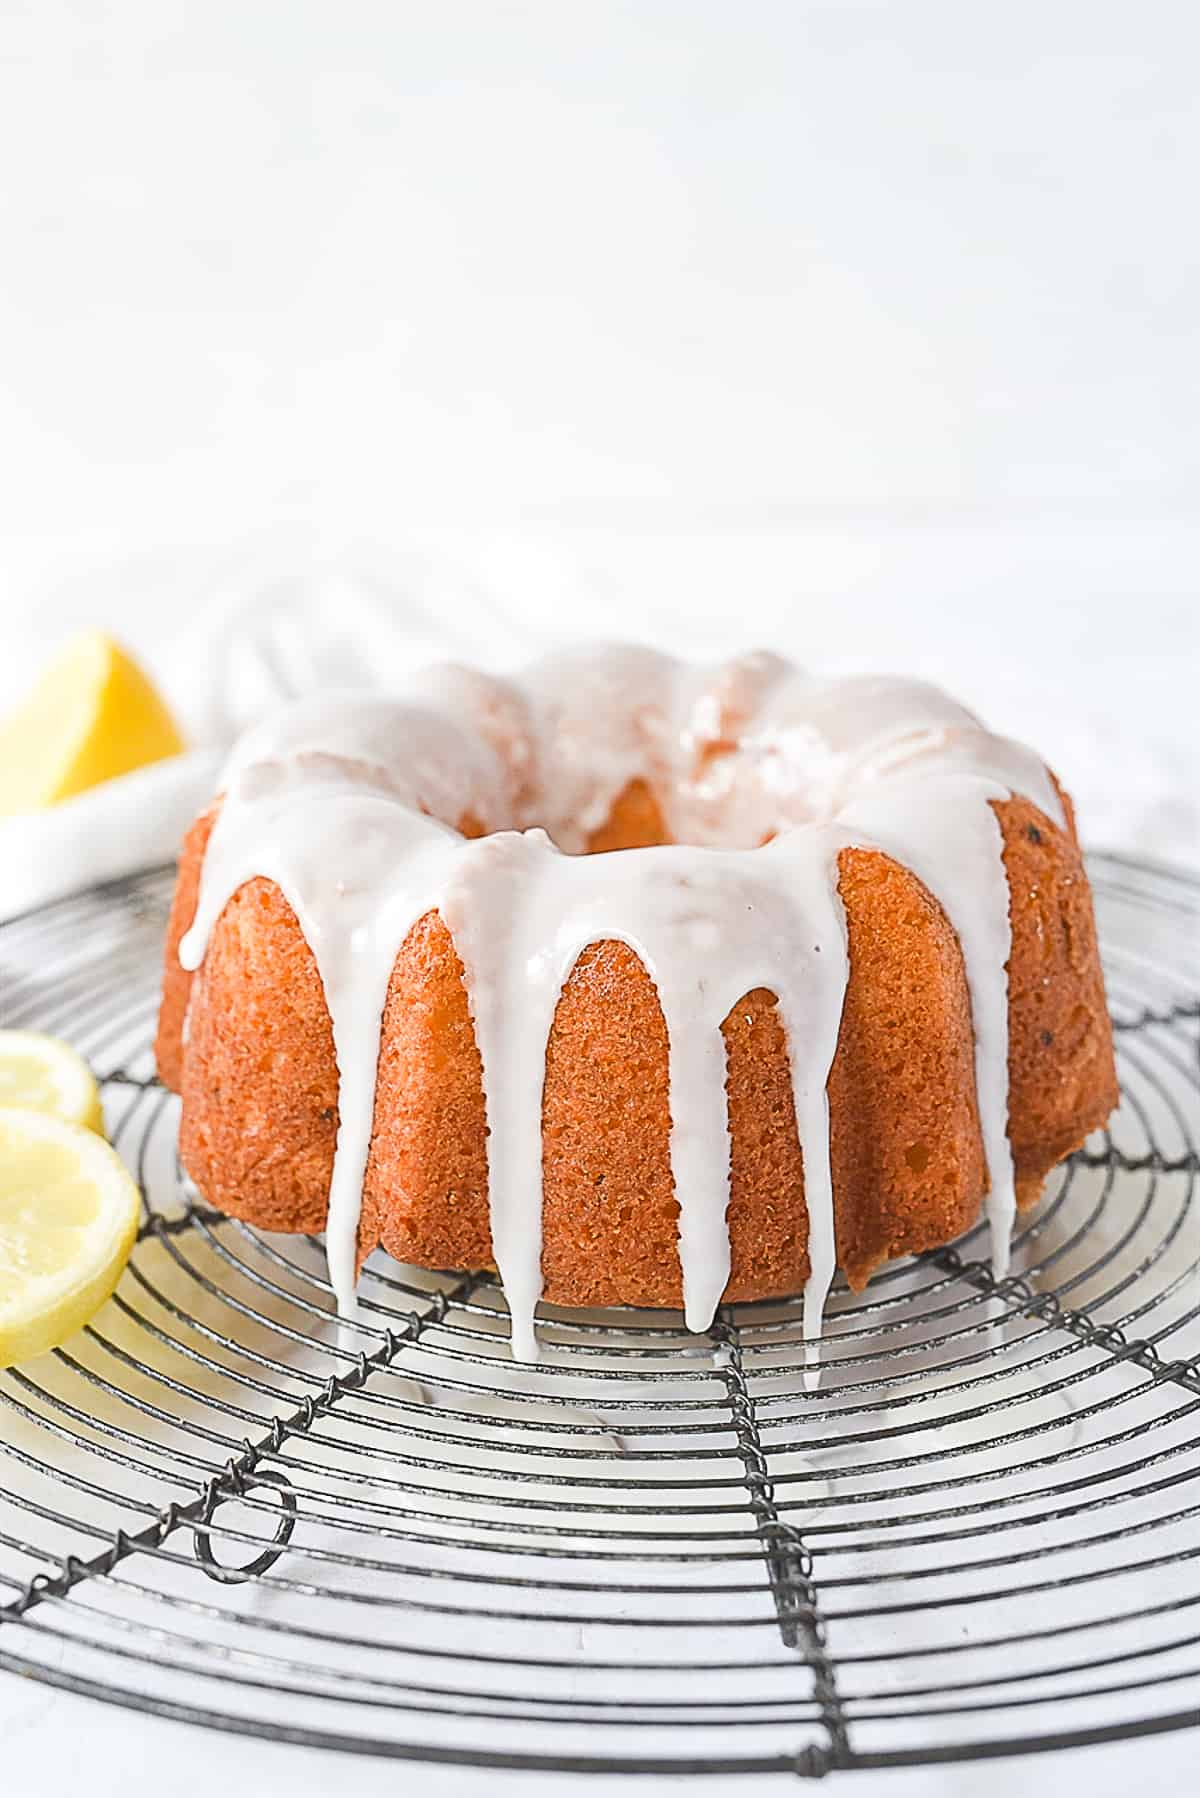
<point x="638" y="982"/>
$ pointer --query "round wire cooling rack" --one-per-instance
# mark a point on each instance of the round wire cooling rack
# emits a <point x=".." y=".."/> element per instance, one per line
<point x="975" y="1533"/>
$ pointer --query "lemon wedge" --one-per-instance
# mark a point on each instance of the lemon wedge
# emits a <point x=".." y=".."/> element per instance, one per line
<point x="93" y="714"/>
<point x="68" y="1218"/>
<point x="40" y="1073"/>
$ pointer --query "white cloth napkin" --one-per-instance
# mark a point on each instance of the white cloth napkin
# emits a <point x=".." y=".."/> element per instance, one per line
<point x="263" y="638"/>
<point x="134" y="822"/>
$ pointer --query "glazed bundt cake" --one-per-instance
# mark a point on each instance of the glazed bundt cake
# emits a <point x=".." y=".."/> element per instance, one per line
<point x="642" y="984"/>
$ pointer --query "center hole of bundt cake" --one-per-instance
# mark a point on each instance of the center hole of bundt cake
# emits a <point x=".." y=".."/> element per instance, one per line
<point x="635" y="822"/>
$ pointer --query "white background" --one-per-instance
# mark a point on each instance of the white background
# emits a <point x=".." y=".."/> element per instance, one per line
<point x="868" y="330"/>
<point x="871" y="331"/>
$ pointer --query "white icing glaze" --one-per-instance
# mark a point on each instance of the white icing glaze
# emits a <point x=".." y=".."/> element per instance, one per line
<point x="349" y="804"/>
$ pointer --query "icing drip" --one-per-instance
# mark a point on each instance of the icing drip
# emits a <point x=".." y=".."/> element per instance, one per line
<point x="354" y="916"/>
<point x="812" y="1018"/>
<point x="513" y="977"/>
<point x="951" y="840"/>
<point x="349" y="804"/>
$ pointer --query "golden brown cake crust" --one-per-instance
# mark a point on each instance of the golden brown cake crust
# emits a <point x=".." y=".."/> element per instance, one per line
<point x="259" y="1082"/>
<point x="177" y="982"/>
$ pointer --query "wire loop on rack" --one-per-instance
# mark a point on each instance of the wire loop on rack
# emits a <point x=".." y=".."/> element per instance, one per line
<point x="262" y="1563"/>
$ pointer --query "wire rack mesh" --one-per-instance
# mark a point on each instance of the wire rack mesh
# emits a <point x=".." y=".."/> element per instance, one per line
<point x="977" y="1532"/>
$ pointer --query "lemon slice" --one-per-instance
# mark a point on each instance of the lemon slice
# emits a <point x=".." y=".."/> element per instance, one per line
<point x="93" y="715"/>
<point x="40" y="1073"/>
<point x="68" y="1218"/>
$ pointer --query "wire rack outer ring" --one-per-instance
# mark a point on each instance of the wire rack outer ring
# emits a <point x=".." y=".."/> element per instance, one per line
<point x="686" y="1544"/>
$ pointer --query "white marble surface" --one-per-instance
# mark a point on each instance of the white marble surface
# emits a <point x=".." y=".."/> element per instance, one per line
<point x="867" y="331"/>
<point x="60" y="1747"/>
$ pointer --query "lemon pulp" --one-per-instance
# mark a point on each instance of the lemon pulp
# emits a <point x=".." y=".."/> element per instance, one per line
<point x="93" y="714"/>
<point x="69" y="1215"/>
<point x="40" y="1073"/>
